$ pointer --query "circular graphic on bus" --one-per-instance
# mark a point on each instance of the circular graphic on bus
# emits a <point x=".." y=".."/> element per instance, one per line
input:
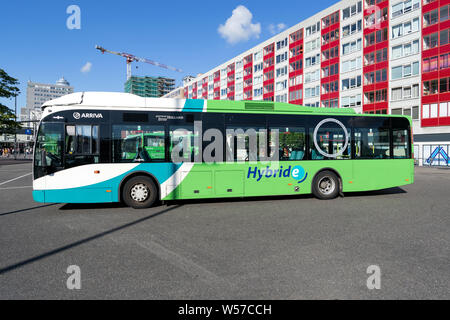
<point x="346" y="138"/>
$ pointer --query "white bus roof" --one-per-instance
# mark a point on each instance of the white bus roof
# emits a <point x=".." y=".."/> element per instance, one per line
<point x="113" y="100"/>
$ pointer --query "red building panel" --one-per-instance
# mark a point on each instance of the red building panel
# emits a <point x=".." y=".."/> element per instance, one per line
<point x="434" y="68"/>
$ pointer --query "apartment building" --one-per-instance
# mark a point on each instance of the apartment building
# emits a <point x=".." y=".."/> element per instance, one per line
<point x="376" y="56"/>
<point x="154" y="87"/>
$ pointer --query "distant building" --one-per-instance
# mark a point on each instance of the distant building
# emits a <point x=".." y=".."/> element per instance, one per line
<point x="149" y="87"/>
<point x="38" y="93"/>
<point x="25" y="116"/>
<point x="177" y="93"/>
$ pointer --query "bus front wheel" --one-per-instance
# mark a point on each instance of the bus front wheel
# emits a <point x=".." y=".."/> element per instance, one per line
<point x="326" y="185"/>
<point x="139" y="192"/>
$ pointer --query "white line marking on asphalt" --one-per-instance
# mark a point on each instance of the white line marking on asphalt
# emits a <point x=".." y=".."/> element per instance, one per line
<point x="15" y="179"/>
<point x="11" y="188"/>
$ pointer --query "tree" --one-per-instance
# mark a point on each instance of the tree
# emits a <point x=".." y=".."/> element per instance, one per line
<point x="8" y="89"/>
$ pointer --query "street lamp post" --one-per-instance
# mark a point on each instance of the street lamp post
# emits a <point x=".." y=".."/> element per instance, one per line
<point x="15" y="131"/>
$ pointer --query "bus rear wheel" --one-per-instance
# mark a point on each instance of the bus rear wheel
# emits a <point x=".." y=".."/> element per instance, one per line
<point x="325" y="185"/>
<point x="139" y="192"/>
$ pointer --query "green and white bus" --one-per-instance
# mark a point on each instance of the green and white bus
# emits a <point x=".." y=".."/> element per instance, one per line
<point x="110" y="147"/>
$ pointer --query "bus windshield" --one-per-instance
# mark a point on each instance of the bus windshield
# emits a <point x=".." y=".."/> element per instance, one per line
<point x="48" y="155"/>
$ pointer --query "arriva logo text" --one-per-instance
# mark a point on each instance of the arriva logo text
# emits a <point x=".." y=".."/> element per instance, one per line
<point x="86" y="115"/>
<point x="298" y="173"/>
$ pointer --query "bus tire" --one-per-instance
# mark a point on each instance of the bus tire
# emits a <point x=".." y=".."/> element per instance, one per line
<point x="325" y="185"/>
<point x="139" y="192"/>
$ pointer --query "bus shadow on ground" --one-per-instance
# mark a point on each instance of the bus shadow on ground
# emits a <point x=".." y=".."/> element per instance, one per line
<point x="389" y="191"/>
<point x="91" y="206"/>
<point x="118" y="205"/>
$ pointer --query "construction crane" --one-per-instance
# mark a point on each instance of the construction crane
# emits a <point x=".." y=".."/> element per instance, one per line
<point x="131" y="58"/>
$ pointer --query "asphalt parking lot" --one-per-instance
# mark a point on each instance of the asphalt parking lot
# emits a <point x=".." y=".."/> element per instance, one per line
<point x="267" y="248"/>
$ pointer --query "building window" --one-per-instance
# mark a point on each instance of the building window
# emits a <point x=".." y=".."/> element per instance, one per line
<point x="376" y="37"/>
<point x="311" y="61"/>
<point x="443" y="13"/>
<point x="312" y="45"/>
<point x="330" y="71"/>
<point x="430" y="87"/>
<point x="258" y="55"/>
<point x="404" y="7"/>
<point x="312" y="29"/>
<point x="350" y="47"/>
<point x="330" y="53"/>
<point x="352" y="10"/>
<point x="281" y="85"/>
<point x="397" y="111"/>
<point x="312" y="92"/>
<point x="296" y="80"/>
<point x="269" y="62"/>
<point x="312" y="76"/>
<point x="282" y="71"/>
<point x="415" y="113"/>
<point x="443" y="37"/>
<point x="431" y="64"/>
<point x="430" y="111"/>
<point x="351" y="83"/>
<point x="295" y="95"/>
<point x="431" y="41"/>
<point x="352" y="28"/>
<point x="281" y="44"/>
<point x="281" y="57"/>
<point x="330" y="20"/>
<point x="294" y="52"/>
<point x="351" y="65"/>
<point x="332" y="103"/>
<point x="330" y="36"/>
<point x="375" y="76"/>
<point x="258" y="67"/>
<point x="431" y="18"/>
<point x="406" y="49"/>
<point x="351" y="101"/>
<point x="405" y="28"/>
<point x="404" y="71"/>
<point x="281" y="98"/>
<point x="268" y="75"/>
<point x="376" y="96"/>
<point x="296" y="36"/>
<point x="329" y="87"/>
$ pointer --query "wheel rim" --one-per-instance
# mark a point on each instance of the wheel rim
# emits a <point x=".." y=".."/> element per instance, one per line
<point x="326" y="185"/>
<point x="139" y="192"/>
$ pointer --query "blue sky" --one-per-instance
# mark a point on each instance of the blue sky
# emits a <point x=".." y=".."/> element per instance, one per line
<point x="36" y="44"/>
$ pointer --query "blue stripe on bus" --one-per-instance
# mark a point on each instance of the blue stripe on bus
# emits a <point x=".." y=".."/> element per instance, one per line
<point x="193" y="105"/>
<point x="106" y="191"/>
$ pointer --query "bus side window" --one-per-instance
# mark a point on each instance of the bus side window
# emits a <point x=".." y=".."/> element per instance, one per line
<point x="245" y="143"/>
<point x="182" y="147"/>
<point x="401" y="142"/>
<point x="372" y="143"/>
<point x="136" y="143"/>
<point x="291" y="143"/>
<point x="331" y="142"/>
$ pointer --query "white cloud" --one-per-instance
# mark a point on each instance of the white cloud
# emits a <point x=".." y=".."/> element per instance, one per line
<point x="87" y="67"/>
<point x="239" y="26"/>
<point x="274" y="29"/>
